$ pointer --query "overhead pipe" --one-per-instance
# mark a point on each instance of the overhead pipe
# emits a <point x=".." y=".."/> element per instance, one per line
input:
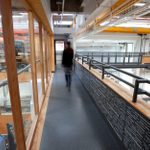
<point x="97" y="12"/>
<point x="63" y="5"/>
<point x="116" y="9"/>
<point x="100" y="12"/>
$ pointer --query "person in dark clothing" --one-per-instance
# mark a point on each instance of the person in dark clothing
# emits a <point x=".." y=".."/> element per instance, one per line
<point x="67" y="62"/>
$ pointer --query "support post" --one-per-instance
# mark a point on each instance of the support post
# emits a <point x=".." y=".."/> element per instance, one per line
<point x="46" y="48"/>
<point x="52" y="54"/>
<point x="103" y="72"/>
<point x="135" y="91"/>
<point x="33" y="63"/>
<point x="82" y="60"/>
<point x="41" y="57"/>
<point x="90" y="63"/>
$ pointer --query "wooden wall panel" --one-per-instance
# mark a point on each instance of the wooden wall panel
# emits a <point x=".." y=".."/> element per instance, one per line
<point x="145" y="59"/>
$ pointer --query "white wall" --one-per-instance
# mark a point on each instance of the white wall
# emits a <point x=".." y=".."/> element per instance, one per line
<point x="108" y="41"/>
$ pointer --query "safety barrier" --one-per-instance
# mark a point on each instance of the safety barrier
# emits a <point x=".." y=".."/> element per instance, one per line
<point x="130" y="124"/>
<point x="103" y="67"/>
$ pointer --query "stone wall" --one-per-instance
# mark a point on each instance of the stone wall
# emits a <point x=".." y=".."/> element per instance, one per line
<point x="132" y="128"/>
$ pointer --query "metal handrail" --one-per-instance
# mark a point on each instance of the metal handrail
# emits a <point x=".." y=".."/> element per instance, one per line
<point x="115" y="55"/>
<point x="5" y="82"/>
<point x="103" y="66"/>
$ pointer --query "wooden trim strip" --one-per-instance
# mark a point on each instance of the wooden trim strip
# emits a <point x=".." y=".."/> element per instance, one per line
<point x="31" y="132"/>
<point x="37" y="7"/>
<point x="41" y="120"/>
<point x="48" y="55"/>
<point x="46" y="48"/>
<point x="140" y="105"/>
<point x="33" y="63"/>
<point x="41" y="57"/>
<point x="52" y="54"/>
<point x="7" y="24"/>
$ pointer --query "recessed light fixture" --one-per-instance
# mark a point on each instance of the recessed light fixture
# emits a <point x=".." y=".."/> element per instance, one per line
<point x="23" y="13"/>
<point x="62" y="22"/>
<point x="139" y="4"/>
<point x="17" y="16"/>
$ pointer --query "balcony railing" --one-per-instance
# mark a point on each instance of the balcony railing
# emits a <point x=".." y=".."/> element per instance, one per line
<point x="103" y="68"/>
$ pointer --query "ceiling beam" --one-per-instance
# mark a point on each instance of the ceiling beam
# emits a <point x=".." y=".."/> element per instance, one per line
<point x="37" y="7"/>
<point x="116" y="9"/>
<point x="128" y="30"/>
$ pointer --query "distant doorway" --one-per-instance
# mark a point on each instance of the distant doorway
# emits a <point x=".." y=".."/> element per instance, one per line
<point x="59" y="47"/>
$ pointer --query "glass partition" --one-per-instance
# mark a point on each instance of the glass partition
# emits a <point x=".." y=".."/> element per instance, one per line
<point x="29" y="91"/>
<point x="23" y="60"/>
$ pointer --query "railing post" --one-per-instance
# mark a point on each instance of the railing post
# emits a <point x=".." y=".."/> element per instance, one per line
<point x="102" y="57"/>
<point x="78" y="57"/>
<point x="82" y="60"/>
<point x="90" y="63"/>
<point x="103" y="72"/>
<point x="116" y="58"/>
<point x="129" y="58"/>
<point x="135" y="91"/>
<point x="124" y="57"/>
<point x="108" y="58"/>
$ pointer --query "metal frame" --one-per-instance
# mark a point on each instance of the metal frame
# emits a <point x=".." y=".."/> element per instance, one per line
<point x="126" y="61"/>
<point x="102" y="66"/>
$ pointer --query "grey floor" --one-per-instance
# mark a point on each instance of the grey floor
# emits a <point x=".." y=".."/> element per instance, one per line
<point x="73" y="121"/>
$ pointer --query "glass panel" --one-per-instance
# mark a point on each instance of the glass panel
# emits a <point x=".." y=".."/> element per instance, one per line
<point x="38" y="61"/>
<point x="22" y="47"/>
<point x="7" y="135"/>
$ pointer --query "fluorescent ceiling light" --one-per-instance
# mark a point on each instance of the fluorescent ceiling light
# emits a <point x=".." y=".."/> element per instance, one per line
<point x="17" y="16"/>
<point x="134" y="25"/>
<point x="62" y="22"/>
<point x="23" y="13"/>
<point x="104" y="23"/>
<point x="64" y="14"/>
<point x="68" y="14"/>
<point x="139" y="4"/>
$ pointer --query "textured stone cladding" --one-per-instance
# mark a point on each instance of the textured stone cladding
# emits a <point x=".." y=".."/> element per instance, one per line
<point x="132" y="128"/>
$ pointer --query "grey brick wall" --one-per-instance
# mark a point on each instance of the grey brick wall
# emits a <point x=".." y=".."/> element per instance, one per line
<point x="132" y="128"/>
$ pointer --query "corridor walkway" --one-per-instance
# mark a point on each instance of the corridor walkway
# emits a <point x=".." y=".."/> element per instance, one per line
<point x="73" y="122"/>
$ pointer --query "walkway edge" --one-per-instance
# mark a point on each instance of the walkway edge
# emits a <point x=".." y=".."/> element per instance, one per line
<point x="41" y="120"/>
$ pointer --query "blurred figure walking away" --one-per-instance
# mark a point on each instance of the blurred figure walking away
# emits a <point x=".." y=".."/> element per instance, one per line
<point x="67" y="63"/>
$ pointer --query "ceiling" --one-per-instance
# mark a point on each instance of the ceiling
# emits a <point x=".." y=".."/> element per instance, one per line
<point x="71" y="13"/>
<point x="69" y="6"/>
